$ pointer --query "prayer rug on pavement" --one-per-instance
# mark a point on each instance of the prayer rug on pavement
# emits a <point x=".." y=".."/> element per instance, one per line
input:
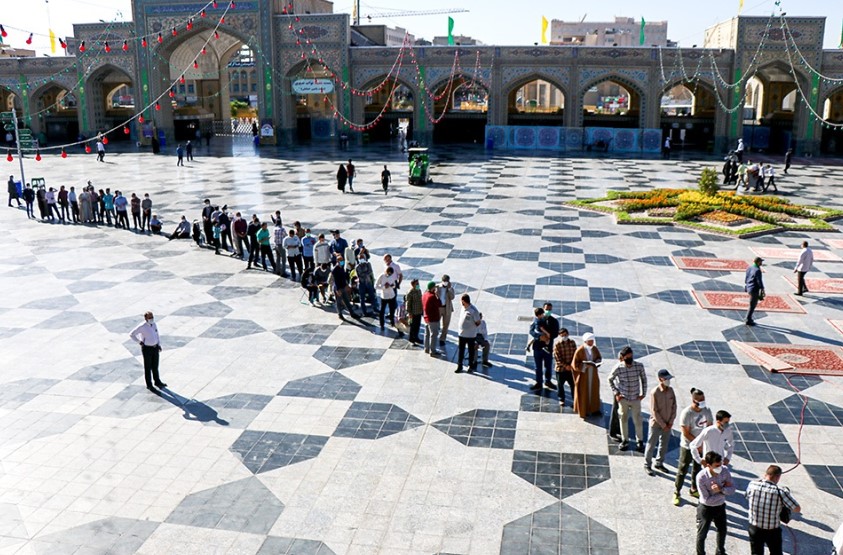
<point x="734" y="300"/>
<point x="793" y="254"/>
<point x="711" y="263"/>
<point x="796" y="359"/>
<point x="820" y="285"/>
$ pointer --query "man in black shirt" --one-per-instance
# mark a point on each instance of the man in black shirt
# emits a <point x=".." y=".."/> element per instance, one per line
<point x="252" y="232"/>
<point x="342" y="289"/>
<point x="207" y="223"/>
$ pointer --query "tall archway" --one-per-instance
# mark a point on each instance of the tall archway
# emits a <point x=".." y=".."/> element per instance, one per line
<point x="611" y="103"/>
<point x="54" y="111"/>
<point x="463" y="105"/>
<point x="10" y="101"/>
<point x="397" y="114"/>
<point x="110" y="94"/>
<point x="771" y="122"/>
<point x="688" y="110"/>
<point x="536" y="101"/>
<point x="313" y="97"/>
<point x="832" y="111"/>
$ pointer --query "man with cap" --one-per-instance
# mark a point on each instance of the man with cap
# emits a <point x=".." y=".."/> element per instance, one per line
<point x="662" y="415"/>
<point x="586" y="383"/>
<point x="629" y="384"/>
<point x="754" y="285"/>
<point x="432" y="315"/>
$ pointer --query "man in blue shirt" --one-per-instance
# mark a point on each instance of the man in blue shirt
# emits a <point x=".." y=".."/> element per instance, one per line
<point x="338" y="245"/>
<point x="754" y="285"/>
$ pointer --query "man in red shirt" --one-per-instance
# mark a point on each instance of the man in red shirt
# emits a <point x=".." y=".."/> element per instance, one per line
<point x="430" y="305"/>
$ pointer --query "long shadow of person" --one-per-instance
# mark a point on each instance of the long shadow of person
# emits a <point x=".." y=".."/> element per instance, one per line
<point x="193" y="409"/>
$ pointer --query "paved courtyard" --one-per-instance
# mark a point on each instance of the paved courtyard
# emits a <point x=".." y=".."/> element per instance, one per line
<point x="284" y="430"/>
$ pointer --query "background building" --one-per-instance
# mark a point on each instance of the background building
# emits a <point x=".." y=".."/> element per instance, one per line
<point x="623" y="31"/>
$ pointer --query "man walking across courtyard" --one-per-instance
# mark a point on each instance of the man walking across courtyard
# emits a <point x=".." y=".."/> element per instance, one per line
<point x="803" y="266"/>
<point x="754" y="285"/>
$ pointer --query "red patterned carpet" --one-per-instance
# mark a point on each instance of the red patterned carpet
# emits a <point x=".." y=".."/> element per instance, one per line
<point x="724" y="300"/>
<point x="820" y="285"/>
<point x="793" y="254"/>
<point x="796" y="359"/>
<point x="713" y="264"/>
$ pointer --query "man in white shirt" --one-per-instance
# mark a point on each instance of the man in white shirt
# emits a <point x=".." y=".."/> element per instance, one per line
<point x="387" y="261"/>
<point x="387" y="287"/>
<point x="803" y="266"/>
<point x="469" y="322"/>
<point x="146" y="335"/>
<point x="446" y="298"/>
<point x="717" y="438"/>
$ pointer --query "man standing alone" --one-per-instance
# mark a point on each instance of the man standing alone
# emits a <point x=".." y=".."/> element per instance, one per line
<point x="754" y="285"/>
<point x="803" y="266"/>
<point x="146" y="335"/>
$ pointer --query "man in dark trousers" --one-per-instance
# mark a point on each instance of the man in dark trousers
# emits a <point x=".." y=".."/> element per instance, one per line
<point x="146" y="335"/>
<point x="350" y="171"/>
<point x="788" y="157"/>
<point x="754" y="285"/>
<point x="13" y="191"/>
<point x="386" y="179"/>
<point x="207" y="224"/>
<point x="189" y="151"/>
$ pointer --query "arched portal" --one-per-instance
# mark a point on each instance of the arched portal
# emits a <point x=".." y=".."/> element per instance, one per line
<point x="688" y="110"/>
<point x="111" y="99"/>
<point x="54" y="110"/>
<point x="832" y="112"/>
<point x="536" y="102"/>
<point x="394" y="102"/>
<point x="313" y="99"/>
<point x="610" y="103"/>
<point x="462" y="103"/>
<point x="770" y="121"/>
<point x="10" y="101"/>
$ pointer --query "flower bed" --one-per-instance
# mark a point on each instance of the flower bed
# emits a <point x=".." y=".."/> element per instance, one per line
<point x="722" y="212"/>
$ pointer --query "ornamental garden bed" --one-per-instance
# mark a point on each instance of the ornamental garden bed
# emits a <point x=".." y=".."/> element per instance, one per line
<point x="723" y="212"/>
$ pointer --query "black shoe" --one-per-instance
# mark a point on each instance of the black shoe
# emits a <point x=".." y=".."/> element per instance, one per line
<point x="640" y="447"/>
<point x="660" y="466"/>
<point x="648" y="470"/>
<point x="152" y="389"/>
<point x="750" y="322"/>
<point x="161" y="385"/>
<point x="441" y="343"/>
<point x="487" y="364"/>
<point x="471" y="369"/>
<point x="536" y="386"/>
<point x="550" y="385"/>
<point x="623" y="446"/>
<point x="458" y="370"/>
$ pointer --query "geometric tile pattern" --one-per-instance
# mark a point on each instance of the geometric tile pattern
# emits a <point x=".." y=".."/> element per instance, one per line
<point x="374" y="421"/>
<point x="558" y="529"/>
<point x="827" y="478"/>
<point x="113" y="535"/>
<point x="482" y="428"/>
<point x="762" y="443"/>
<point x="306" y="334"/>
<point x="245" y="506"/>
<point x="264" y="451"/>
<point x="561" y="474"/>
<point x="293" y="546"/>
<point x="330" y="385"/>
<point x="711" y="352"/>
<point x="811" y="412"/>
<point x="346" y="357"/>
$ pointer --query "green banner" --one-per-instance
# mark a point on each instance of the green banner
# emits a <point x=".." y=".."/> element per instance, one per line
<point x="814" y="103"/>
<point x="642" y="36"/>
<point x="451" y="31"/>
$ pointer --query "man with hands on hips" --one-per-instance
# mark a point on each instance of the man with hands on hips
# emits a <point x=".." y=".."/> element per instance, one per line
<point x="146" y="335"/>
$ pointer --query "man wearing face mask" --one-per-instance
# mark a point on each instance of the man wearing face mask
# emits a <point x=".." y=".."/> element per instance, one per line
<point x="714" y="484"/>
<point x="693" y="420"/>
<point x="717" y="438"/>
<point x="415" y="311"/>
<point x="629" y="383"/>
<point x="446" y="294"/>
<point x="662" y="415"/>
<point x="146" y="335"/>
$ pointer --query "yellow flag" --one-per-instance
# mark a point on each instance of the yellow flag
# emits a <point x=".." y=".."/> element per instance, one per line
<point x="740" y="6"/>
<point x="52" y="42"/>
<point x="544" y="30"/>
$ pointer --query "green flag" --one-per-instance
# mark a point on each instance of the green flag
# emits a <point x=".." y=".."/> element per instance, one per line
<point x="641" y="36"/>
<point x="450" y="30"/>
<point x="841" y="40"/>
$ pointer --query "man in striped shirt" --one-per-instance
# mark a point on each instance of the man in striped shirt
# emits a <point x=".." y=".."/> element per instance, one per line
<point x="766" y="500"/>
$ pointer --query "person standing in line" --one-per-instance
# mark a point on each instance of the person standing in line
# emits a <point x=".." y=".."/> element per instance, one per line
<point x="717" y="437"/>
<point x="29" y="199"/>
<point x="541" y="345"/>
<point x="415" y="311"/>
<point x="469" y="321"/>
<point x="739" y="150"/>
<point x="788" y="158"/>
<point x="262" y="238"/>
<point x="135" y="204"/>
<point x="307" y="243"/>
<point x="628" y="381"/>
<point x="482" y="342"/>
<point x="52" y="207"/>
<point x="365" y="282"/>
<point x="300" y="231"/>
<point x="241" y="238"/>
<point x="217" y="233"/>
<point x="662" y="415"/>
<point x="386" y="179"/>
<point x="693" y="420"/>
<point x="342" y="178"/>
<point x="322" y="251"/>
<point x="803" y="266"/>
<point x="13" y="191"/>
<point x="349" y="169"/>
<point x="399" y="275"/>
<point x="254" y="248"/>
<point x="120" y="205"/>
<point x="108" y="202"/>
<point x="339" y="282"/>
<point x="146" y="335"/>
<point x="74" y="204"/>
<point x="207" y="221"/>
<point x="563" y="351"/>
<point x="278" y="236"/>
<point x="189" y="151"/>
<point x="714" y="484"/>
<point x="586" y="381"/>
<point x="766" y="500"/>
<point x="292" y="245"/>
<point x="432" y="315"/>
<point x="41" y="196"/>
<point x="95" y="204"/>
<point x="64" y="204"/>
<point x="225" y="228"/>
<point x="146" y="211"/>
<point x="446" y="294"/>
<point x="100" y="151"/>
<point x="388" y="289"/>
<point x="338" y="245"/>
<point x="84" y="206"/>
<point x="754" y="285"/>
<point x="180" y="155"/>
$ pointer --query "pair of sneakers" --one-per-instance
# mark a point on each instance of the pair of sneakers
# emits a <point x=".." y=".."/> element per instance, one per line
<point x="677" y="500"/>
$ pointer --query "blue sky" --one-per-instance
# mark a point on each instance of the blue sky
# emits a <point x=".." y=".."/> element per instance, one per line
<point x="491" y="21"/>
